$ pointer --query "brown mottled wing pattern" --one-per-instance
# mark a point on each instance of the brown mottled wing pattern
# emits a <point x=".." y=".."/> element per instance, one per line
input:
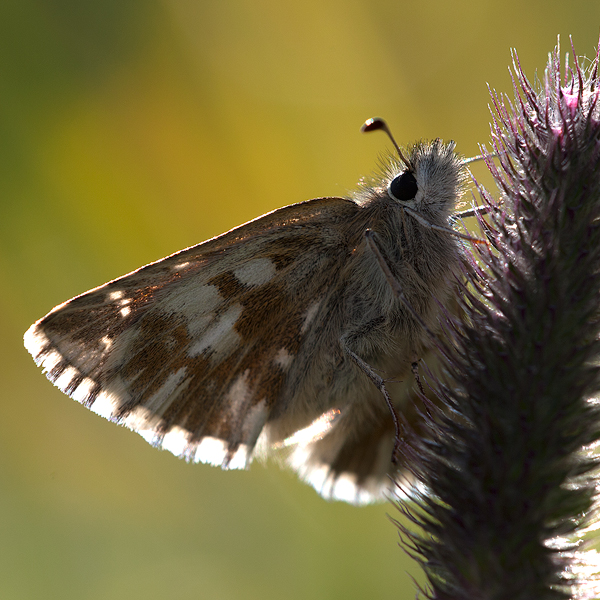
<point x="183" y="350"/>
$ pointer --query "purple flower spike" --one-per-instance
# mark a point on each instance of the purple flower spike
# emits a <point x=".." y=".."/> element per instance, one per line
<point x="508" y="478"/>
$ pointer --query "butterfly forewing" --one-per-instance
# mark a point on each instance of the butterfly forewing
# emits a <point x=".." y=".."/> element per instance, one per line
<point x="179" y="351"/>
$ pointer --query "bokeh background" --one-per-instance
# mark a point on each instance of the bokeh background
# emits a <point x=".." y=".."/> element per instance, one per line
<point x="129" y="130"/>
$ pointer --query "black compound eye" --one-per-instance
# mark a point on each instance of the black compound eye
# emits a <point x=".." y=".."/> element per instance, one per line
<point x="404" y="187"/>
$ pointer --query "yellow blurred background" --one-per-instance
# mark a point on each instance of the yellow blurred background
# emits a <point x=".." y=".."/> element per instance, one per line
<point x="131" y="129"/>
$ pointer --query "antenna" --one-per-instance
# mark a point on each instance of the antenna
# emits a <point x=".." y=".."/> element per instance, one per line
<point x="378" y="124"/>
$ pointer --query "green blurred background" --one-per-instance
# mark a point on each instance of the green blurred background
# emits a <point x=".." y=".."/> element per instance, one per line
<point x="131" y="129"/>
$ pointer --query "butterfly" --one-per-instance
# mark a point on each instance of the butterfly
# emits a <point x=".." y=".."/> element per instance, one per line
<point x="266" y="339"/>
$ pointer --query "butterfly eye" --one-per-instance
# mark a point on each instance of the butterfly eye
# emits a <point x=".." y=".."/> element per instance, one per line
<point x="404" y="187"/>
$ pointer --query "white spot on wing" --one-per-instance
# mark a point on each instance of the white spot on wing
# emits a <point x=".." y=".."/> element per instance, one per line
<point x="192" y="300"/>
<point x="254" y="421"/>
<point x="212" y="451"/>
<point x="238" y="398"/>
<point x="196" y="304"/>
<point x="315" y="431"/>
<point x="179" y="266"/>
<point x="148" y="434"/>
<point x="124" y="302"/>
<point x="263" y="446"/>
<point x="176" y="441"/>
<point x="238" y="393"/>
<point x="65" y="378"/>
<point x="83" y="390"/>
<point x="283" y="359"/>
<point x="34" y="340"/>
<point x="257" y="271"/>
<point x="115" y="295"/>
<point x="241" y="459"/>
<point x="160" y="401"/>
<point x="107" y="343"/>
<point x="106" y="404"/>
<point x="344" y="487"/>
<point x="50" y="360"/>
<point x="143" y="422"/>
<point x="220" y="335"/>
<point x="310" y="315"/>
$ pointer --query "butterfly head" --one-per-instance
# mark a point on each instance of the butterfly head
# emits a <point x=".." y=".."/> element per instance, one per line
<point x="428" y="178"/>
<point x="433" y="182"/>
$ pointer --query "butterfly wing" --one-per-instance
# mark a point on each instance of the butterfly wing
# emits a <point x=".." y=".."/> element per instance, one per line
<point x="352" y="460"/>
<point x="192" y="351"/>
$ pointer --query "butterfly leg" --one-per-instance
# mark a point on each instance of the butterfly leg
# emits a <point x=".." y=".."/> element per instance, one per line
<point x="370" y="238"/>
<point x="379" y="383"/>
<point x="415" y="371"/>
<point x="419" y="218"/>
